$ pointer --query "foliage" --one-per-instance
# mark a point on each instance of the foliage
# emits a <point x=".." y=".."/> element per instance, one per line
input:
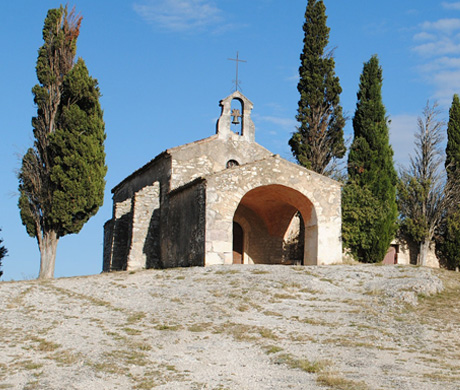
<point x="448" y="243"/>
<point x="411" y="197"/>
<point x="3" y="252"/>
<point x="319" y="138"/>
<point x="423" y="196"/>
<point x="78" y="167"/>
<point x="61" y="180"/>
<point x="360" y="210"/>
<point x="453" y="140"/>
<point x="369" y="197"/>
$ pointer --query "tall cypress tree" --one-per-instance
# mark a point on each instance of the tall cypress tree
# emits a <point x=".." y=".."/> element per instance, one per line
<point x="319" y="137"/>
<point x="61" y="180"/>
<point x="369" y="197"/>
<point x="450" y="246"/>
<point x="453" y="140"/>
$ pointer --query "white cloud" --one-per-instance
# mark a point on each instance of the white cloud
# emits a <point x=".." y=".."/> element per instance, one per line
<point x="445" y="25"/>
<point x="294" y="77"/>
<point x="454" y="6"/>
<point x="285" y="123"/>
<point x="180" y="15"/>
<point x="447" y="84"/>
<point x="438" y="45"/>
<point x="441" y="47"/>
<point x="439" y="64"/>
<point x="424" y="36"/>
<point x="402" y="130"/>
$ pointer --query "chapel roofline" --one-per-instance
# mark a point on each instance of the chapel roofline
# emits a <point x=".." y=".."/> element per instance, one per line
<point x="283" y="161"/>
<point x="160" y="156"/>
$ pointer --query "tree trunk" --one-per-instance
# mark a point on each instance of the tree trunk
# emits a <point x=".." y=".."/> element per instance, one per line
<point x="424" y="247"/>
<point x="48" y="245"/>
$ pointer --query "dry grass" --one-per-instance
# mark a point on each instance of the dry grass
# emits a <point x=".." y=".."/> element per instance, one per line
<point x="303" y="364"/>
<point x="281" y="319"/>
<point x="443" y="306"/>
<point x="338" y="382"/>
<point x="43" y="345"/>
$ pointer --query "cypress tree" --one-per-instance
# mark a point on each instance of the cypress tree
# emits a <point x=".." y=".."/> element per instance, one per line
<point x="61" y="180"/>
<point x="453" y="140"/>
<point x="450" y="246"/>
<point x="319" y="137"/>
<point x="369" y="197"/>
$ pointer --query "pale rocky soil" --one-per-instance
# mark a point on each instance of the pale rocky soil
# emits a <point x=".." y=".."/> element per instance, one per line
<point x="234" y="327"/>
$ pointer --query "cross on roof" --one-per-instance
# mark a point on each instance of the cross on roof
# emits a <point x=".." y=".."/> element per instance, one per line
<point x="236" y="60"/>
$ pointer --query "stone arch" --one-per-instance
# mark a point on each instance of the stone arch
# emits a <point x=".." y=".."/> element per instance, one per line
<point x="266" y="214"/>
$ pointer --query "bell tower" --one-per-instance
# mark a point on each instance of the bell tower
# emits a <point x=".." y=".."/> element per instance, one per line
<point x="229" y="116"/>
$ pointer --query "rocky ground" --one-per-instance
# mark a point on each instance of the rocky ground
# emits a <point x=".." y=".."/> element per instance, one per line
<point x="234" y="327"/>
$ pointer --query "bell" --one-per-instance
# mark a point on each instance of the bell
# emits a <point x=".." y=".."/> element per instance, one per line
<point x="236" y="114"/>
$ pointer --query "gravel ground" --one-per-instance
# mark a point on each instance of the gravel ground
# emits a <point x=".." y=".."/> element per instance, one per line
<point x="234" y="327"/>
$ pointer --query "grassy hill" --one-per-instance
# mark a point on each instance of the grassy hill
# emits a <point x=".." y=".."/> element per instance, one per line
<point x="234" y="327"/>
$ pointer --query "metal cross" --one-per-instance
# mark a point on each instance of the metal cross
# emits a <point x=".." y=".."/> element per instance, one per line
<point x="236" y="60"/>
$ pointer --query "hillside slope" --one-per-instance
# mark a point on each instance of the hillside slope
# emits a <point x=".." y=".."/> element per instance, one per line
<point x="234" y="327"/>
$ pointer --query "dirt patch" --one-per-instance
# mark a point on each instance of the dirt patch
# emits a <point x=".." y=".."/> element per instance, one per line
<point x="234" y="327"/>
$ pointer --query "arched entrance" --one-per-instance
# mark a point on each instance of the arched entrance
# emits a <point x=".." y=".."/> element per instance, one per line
<point x="278" y="225"/>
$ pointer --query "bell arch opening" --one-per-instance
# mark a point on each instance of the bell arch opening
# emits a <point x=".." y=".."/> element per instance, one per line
<point x="237" y="109"/>
<point x="279" y="226"/>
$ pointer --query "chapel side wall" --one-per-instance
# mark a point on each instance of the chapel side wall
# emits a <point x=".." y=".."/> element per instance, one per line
<point x="119" y="235"/>
<point x="158" y="171"/>
<point x="108" y="242"/>
<point x="204" y="158"/>
<point x="144" y="251"/>
<point x="183" y="227"/>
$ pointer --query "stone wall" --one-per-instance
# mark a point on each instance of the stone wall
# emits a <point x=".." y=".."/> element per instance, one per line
<point x="157" y="170"/>
<point x="131" y="237"/>
<point x="408" y="253"/>
<point x="259" y="246"/>
<point x="108" y="245"/>
<point x="294" y="241"/>
<point x="183" y="228"/>
<point x="144" y="250"/>
<point x="204" y="158"/>
<point x="121" y="241"/>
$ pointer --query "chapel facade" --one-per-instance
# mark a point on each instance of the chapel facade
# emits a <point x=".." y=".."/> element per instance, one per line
<point x="223" y="200"/>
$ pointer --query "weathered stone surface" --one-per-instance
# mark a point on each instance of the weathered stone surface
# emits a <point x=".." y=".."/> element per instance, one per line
<point x="182" y="240"/>
<point x="180" y="208"/>
<point x="407" y="253"/>
<point x="232" y="327"/>
<point x="145" y="242"/>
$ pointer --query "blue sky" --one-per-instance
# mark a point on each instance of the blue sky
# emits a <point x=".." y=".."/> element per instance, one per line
<point x="162" y="67"/>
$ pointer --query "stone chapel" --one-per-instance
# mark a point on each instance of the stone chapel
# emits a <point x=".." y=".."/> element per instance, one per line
<point x="223" y="200"/>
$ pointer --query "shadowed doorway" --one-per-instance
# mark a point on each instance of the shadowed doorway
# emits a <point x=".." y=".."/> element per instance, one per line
<point x="238" y="243"/>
